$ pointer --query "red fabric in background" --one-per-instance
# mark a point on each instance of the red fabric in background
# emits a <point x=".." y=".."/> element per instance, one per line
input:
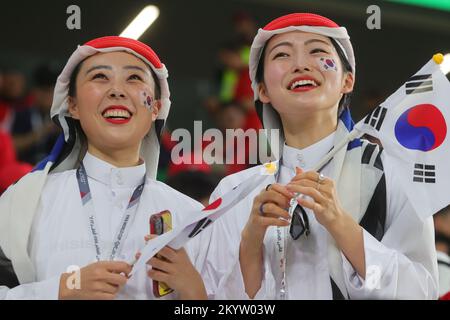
<point x="190" y="166"/>
<point x="4" y="111"/>
<point x="252" y="121"/>
<point x="10" y="169"/>
<point x="445" y="296"/>
<point x="243" y="89"/>
<point x="7" y="152"/>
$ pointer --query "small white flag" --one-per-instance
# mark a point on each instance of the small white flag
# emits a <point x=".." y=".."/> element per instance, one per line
<point x="196" y="221"/>
<point x="412" y="125"/>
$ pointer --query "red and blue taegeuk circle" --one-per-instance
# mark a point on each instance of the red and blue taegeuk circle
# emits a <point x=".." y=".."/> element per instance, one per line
<point x="421" y="127"/>
<point x="330" y="63"/>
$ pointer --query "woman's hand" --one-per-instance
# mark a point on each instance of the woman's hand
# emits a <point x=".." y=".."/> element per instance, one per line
<point x="324" y="201"/>
<point x="98" y="281"/>
<point x="174" y="268"/>
<point x="270" y="208"/>
<point x="328" y="211"/>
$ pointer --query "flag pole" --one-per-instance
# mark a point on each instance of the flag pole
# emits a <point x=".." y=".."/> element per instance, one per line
<point x="352" y="135"/>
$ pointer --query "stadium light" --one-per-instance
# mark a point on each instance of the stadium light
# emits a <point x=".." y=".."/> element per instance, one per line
<point x="142" y="22"/>
<point x="433" y="4"/>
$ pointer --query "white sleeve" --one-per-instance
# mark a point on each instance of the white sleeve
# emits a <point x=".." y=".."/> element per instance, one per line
<point x="403" y="265"/>
<point x="43" y="290"/>
<point x="222" y="265"/>
<point x="197" y="249"/>
<point x="231" y="283"/>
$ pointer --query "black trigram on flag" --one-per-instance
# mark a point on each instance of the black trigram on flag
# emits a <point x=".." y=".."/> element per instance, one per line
<point x="376" y="117"/>
<point x="202" y="224"/>
<point x="424" y="173"/>
<point x="419" y="83"/>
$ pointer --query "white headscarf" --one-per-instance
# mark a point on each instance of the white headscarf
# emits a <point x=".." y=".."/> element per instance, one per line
<point x="306" y="22"/>
<point x="67" y="155"/>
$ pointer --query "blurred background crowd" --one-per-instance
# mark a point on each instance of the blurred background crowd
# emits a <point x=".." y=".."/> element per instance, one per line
<point x="205" y="45"/>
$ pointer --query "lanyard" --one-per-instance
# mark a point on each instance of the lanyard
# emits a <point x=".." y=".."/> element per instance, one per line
<point x="281" y="237"/>
<point x="86" y="199"/>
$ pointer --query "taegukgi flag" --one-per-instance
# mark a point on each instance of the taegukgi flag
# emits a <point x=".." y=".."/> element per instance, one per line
<point x="412" y="125"/>
<point x="198" y="220"/>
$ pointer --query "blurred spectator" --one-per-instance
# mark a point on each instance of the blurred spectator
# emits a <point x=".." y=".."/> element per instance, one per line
<point x="5" y="117"/>
<point x="5" y="110"/>
<point x="234" y="81"/>
<point x="442" y="239"/>
<point x="14" y="86"/>
<point x="167" y="168"/>
<point x="188" y="164"/>
<point x="10" y="169"/>
<point x="33" y="131"/>
<point x="245" y="28"/>
<point x="195" y="180"/>
<point x="232" y="115"/>
<point x="165" y="154"/>
<point x="12" y="95"/>
<point x="196" y="184"/>
<point x="233" y="107"/>
<point x="14" y="90"/>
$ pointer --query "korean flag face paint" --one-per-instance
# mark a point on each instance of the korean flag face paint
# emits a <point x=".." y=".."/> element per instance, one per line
<point x="327" y="64"/>
<point x="147" y="100"/>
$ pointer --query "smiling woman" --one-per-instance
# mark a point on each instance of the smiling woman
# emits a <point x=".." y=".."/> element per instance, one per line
<point x="344" y="231"/>
<point x="97" y="190"/>
<point x="110" y="101"/>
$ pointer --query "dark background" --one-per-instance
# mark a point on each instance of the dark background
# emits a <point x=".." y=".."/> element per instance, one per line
<point x="188" y="34"/>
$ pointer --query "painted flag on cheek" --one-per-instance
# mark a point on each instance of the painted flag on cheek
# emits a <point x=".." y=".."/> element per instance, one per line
<point x="412" y="125"/>
<point x="327" y="64"/>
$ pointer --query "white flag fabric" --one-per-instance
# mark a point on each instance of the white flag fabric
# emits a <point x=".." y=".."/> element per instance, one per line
<point x="197" y="221"/>
<point x="412" y="125"/>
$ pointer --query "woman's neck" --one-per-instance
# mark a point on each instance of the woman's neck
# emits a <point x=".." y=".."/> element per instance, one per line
<point x="302" y="131"/>
<point x="122" y="158"/>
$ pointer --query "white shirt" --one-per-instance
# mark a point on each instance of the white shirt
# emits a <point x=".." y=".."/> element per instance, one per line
<point x="405" y="256"/>
<point x="310" y="251"/>
<point x="61" y="236"/>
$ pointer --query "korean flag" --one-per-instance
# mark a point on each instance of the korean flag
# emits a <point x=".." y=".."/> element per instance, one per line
<point x="412" y="125"/>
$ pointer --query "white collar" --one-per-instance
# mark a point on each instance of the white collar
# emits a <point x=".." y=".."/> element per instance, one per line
<point x="112" y="176"/>
<point x="307" y="157"/>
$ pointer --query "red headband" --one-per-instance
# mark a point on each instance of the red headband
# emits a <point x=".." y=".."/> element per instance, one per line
<point x="136" y="46"/>
<point x="300" y="19"/>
